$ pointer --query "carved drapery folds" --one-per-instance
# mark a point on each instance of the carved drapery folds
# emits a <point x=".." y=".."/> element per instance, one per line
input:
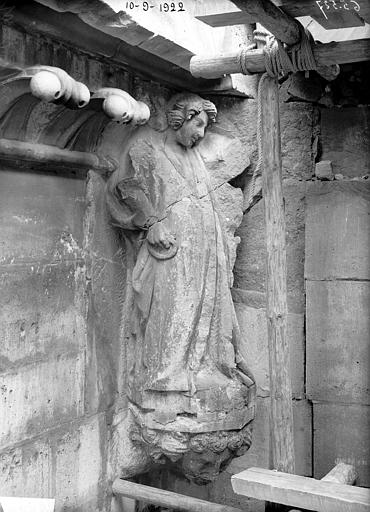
<point x="190" y="392"/>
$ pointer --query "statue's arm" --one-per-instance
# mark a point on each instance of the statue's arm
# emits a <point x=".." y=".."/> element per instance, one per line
<point x="129" y="206"/>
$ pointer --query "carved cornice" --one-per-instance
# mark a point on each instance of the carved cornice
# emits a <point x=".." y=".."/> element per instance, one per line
<point x="75" y="119"/>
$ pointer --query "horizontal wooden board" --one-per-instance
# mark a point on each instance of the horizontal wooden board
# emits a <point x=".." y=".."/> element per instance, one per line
<point x="27" y="505"/>
<point x="337" y="230"/>
<point x="333" y="14"/>
<point x="299" y="491"/>
<point x="337" y="341"/>
<point x="342" y="433"/>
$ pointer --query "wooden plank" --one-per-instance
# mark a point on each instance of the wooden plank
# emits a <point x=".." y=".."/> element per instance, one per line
<point x="333" y="14"/>
<point x="339" y="20"/>
<point x="299" y="491"/>
<point x="341" y="474"/>
<point x="27" y="504"/>
<point x="342" y="52"/>
<point x="281" y="424"/>
<point x="337" y="229"/>
<point x="167" y="499"/>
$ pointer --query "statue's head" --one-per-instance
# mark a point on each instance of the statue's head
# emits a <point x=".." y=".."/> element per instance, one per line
<point x="189" y="115"/>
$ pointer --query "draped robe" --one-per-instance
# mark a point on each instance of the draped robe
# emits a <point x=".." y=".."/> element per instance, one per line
<point x="183" y="319"/>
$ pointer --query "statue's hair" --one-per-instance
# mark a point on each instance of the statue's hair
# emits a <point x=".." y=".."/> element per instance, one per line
<point x="184" y="106"/>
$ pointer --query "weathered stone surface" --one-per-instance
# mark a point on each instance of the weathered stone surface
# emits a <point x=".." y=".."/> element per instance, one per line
<point x="258" y="455"/>
<point x="67" y="464"/>
<point x="250" y="266"/>
<point x="347" y="147"/>
<point x="79" y="485"/>
<point x="253" y="328"/>
<point x="41" y="218"/>
<point x="342" y="435"/>
<point x="225" y="157"/>
<point x="42" y="312"/>
<point x="324" y="170"/>
<point x="39" y="396"/>
<point x="338" y="230"/>
<point x="338" y="352"/>
<point x="106" y="268"/>
<point x="298" y="121"/>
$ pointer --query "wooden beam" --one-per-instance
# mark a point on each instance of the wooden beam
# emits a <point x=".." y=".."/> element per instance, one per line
<point x="341" y="474"/>
<point x="329" y="15"/>
<point x="162" y="498"/>
<point x="43" y="156"/>
<point x="26" y="504"/>
<point x="300" y="491"/>
<point x="282" y="25"/>
<point x="325" y="54"/>
<point x="281" y="412"/>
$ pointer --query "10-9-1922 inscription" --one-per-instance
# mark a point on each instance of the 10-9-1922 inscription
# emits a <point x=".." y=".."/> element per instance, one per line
<point x="163" y="6"/>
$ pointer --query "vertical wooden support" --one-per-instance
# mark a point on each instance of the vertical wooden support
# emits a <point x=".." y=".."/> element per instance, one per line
<point x="281" y="418"/>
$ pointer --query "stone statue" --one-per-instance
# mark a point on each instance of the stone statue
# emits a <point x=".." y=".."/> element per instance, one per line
<point x="190" y="391"/>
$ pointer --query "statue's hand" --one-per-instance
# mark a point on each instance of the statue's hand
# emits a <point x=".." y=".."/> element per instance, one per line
<point x="158" y="235"/>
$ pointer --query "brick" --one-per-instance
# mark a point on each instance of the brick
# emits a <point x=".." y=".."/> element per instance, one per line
<point x="345" y="134"/>
<point x="41" y="218"/>
<point x="342" y="433"/>
<point x="338" y="351"/>
<point x="338" y="230"/>
<point x="39" y="396"/>
<point x="253" y="327"/>
<point x="41" y="312"/>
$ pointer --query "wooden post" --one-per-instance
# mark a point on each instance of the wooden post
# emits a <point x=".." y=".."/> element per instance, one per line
<point x="281" y="418"/>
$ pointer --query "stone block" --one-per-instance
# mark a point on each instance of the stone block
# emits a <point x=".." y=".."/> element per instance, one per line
<point x="345" y="135"/>
<point x="39" y="396"/>
<point x="338" y="351"/>
<point x="41" y="312"/>
<point x="253" y="328"/>
<point x="297" y="123"/>
<point x="25" y="471"/>
<point x="324" y="170"/>
<point x="250" y="265"/>
<point x="80" y="467"/>
<point x="342" y="434"/>
<point x="67" y="464"/>
<point x="41" y="217"/>
<point x="259" y="453"/>
<point x="338" y="230"/>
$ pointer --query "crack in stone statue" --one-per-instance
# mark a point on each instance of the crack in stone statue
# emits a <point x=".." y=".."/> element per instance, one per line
<point x="190" y="391"/>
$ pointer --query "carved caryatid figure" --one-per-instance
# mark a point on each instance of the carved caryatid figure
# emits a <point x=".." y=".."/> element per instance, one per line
<point x="189" y="389"/>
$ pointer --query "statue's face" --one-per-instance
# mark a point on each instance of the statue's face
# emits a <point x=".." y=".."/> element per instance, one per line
<point x="192" y="130"/>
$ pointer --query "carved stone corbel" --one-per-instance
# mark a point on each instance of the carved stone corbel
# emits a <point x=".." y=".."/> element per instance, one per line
<point x="121" y="107"/>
